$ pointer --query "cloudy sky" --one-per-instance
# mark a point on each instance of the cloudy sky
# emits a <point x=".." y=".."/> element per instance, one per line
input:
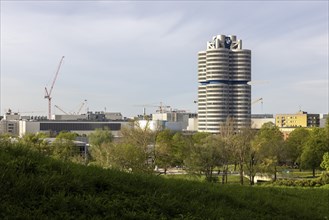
<point x="122" y="55"/>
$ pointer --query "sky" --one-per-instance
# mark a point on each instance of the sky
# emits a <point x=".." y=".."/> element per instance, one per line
<point x="123" y="55"/>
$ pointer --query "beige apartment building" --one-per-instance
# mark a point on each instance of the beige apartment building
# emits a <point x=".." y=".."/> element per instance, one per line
<point x="300" y="119"/>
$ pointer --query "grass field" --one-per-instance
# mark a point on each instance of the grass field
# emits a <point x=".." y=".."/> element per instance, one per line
<point x="37" y="187"/>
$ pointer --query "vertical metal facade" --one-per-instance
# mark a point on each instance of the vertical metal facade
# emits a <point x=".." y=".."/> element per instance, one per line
<point x="224" y="71"/>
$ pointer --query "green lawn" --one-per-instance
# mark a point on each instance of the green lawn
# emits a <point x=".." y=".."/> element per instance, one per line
<point x="36" y="187"/>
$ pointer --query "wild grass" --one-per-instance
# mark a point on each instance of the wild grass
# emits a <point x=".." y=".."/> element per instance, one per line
<point x="37" y="187"/>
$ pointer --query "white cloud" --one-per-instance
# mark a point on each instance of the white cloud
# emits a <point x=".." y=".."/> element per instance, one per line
<point x="124" y="53"/>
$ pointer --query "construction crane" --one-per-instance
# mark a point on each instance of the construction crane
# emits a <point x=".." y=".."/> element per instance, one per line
<point x="258" y="100"/>
<point x="59" y="108"/>
<point x="162" y="108"/>
<point x="48" y="93"/>
<point x="83" y="103"/>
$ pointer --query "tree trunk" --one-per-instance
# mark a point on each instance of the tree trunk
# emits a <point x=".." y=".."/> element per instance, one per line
<point x="241" y="173"/>
<point x="226" y="171"/>
<point x="274" y="173"/>
<point x="252" y="178"/>
<point x="313" y="171"/>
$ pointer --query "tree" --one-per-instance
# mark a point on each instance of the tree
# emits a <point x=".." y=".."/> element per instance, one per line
<point x="227" y="134"/>
<point x="63" y="147"/>
<point x="164" y="150"/>
<point x="294" y="144"/>
<point x="182" y="144"/>
<point x="269" y="145"/>
<point x="242" y="148"/>
<point x="314" y="148"/>
<point x="135" y="149"/>
<point x="205" y="155"/>
<point x="37" y="142"/>
<point x="325" y="162"/>
<point x="127" y="157"/>
<point x="100" y="147"/>
<point x="100" y="136"/>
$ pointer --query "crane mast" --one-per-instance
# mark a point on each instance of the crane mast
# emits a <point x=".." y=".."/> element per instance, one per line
<point x="48" y="93"/>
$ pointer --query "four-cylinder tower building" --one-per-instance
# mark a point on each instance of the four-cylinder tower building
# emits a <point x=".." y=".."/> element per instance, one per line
<point x="224" y="71"/>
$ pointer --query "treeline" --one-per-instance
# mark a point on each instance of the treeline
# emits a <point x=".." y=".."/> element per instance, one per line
<point x="142" y="150"/>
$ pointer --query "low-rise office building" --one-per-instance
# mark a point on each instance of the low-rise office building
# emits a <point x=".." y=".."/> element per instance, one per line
<point x="79" y="127"/>
<point x="300" y="119"/>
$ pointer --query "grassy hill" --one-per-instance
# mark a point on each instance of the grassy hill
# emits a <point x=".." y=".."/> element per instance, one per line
<point x="33" y="186"/>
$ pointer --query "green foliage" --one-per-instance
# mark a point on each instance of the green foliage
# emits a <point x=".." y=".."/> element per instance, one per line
<point x="164" y="149"/>
<point x="37" y="142"/>
<point x="321" y="181"/>
<point x="294" y="144"/>
<point x="135" y="151"/>
<point x="314" y="149"/>
<point x="269" y="147"/>
<point x="325" y="162"/>
<point x="64" y="135"/>
<point x="206" y="155"/>
<point x="63" y="147"/>
<point x="36" y="187"/>
<point x="182" y="146"/>
<point x="100" y="136"/>
<point x="100" y="147"/>
<point x="242" y="148"/>
<point x="199" y="137"/>
<point x="100" y="154"/>
<point x="127" y="157"/>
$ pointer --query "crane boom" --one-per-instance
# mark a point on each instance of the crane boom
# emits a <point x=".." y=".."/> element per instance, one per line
<point x="59" y="108"/>
<point x="257" y="100"/>
<point x="58" y="68"/>
<point x="48" y="94"/>
<point x="83" y="103"/>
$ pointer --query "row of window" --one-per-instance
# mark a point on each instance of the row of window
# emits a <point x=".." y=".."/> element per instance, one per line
<point x="79" y="126"/>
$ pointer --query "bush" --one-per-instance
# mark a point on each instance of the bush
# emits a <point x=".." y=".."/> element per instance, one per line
<point x="324" y="179"/>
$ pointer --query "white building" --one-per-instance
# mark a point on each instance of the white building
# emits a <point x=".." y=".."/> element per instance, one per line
<point x="79" y="127"/>
<point x="172" y="120"/>
<point x="9" y="127"/>
<point x="257" y="120"/>
<point x="9" y="123"/>
<point x="224" y="70"/>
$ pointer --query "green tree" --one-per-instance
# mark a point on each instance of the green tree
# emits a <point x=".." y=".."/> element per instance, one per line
<point x="100" y="147"/>
<point x="294" y="144"/>
<point x="182" y="145"/>
<point x="205" y="155"/>
<point x="199" y="137"/>
<point x="241" y="149"/>
<point x="63" y="147"/>
<point x="314" y="148"/>
<point x="100" y="136"/>
<point x="227" y="134"/>
<point x="270" y="147"/>
<point x="164" y="150"/>
<point x="37" y="142"/>
<point x="127" y="157"/>
<point x="141" y="141"/>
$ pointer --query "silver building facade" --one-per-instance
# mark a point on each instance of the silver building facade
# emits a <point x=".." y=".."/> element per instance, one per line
<point x="224" y="70"/>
